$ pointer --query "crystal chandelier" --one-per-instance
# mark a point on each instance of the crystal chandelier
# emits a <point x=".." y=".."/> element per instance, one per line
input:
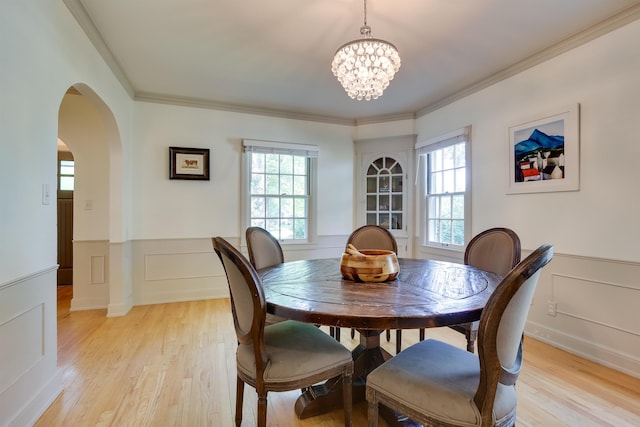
<point x="365" y="66"/>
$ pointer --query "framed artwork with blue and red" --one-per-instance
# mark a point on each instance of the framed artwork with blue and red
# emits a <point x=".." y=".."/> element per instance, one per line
<point x="544" y="153"/>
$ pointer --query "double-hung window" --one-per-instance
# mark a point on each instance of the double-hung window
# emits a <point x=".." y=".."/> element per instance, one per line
<point x="280" y="188"/>
<point x="445" y="174"/>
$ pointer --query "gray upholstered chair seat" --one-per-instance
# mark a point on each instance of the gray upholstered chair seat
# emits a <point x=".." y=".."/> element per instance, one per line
<point x="296" y="350"/>
<point x="437" y="384"/>
<point x="285" y="356"/>
<point x="440" y="381"/>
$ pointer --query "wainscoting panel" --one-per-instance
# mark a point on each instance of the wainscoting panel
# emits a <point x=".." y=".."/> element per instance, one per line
<point x="90" y="275"/>
<point x="179" y="266"/>
<point x="29" y="377"/>
<point x="97" y="270"/>
<point x="26" y="349"/>
<point x="170" y="270"/>
<point x="618" y="307"/>
<point x="589" y="306"/>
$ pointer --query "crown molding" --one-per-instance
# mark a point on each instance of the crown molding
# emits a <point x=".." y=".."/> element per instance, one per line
<point x="385" y="118"/>
<point x="82" y="18"/>
<point x="239" y="108"/>
<point x="616" y="21"/>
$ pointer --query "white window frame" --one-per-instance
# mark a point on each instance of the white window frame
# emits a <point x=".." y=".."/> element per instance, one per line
<point x="271" y="147"/>
<point x="423" y="149"/>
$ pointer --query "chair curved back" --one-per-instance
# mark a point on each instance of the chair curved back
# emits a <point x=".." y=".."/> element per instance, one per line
<point x="496" y="250"/>
<point x="501" y="329"/>
<point x="373" y="237"/>
<point x="264" y="249"/>
<point x="247" y="299"/>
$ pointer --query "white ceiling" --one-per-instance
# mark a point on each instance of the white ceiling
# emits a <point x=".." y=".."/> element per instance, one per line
<point x="274" y="56"/>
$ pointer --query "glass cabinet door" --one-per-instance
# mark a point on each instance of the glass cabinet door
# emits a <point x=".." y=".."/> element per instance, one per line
<point x="384" y="193"/>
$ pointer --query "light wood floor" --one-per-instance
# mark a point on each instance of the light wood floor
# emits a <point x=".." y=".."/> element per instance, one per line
<point x="173" y="365"/>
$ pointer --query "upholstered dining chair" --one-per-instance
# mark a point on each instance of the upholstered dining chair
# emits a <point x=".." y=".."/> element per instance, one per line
<point x="284" y="356"/>
<point x="496" y="250"/>
<point x="264" y="251"/>
<point x="437" y="384"/>
<point x="375" y="237"/>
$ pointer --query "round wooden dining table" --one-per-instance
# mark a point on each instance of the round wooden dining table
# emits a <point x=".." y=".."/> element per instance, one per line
<point x="425" y="294"/>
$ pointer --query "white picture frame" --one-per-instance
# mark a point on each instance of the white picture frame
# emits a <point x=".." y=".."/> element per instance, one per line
<point x="544" y="153"/>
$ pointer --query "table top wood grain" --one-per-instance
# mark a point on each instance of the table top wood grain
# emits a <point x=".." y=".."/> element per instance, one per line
<point x="426" y="293"/>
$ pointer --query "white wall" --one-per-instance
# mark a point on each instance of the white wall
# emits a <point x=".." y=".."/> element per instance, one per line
<point x="174" y="220"/>
<point x="81" y="127"/>
<point x="600" y="219"/>
<point x="596" y="226"/>
<point x="43" y="52"/>
<point x="166" y="208"/>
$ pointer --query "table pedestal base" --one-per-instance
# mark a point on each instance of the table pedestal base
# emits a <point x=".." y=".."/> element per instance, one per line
<point x="323" y="398"/>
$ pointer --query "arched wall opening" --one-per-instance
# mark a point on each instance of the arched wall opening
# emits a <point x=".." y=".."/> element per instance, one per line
<point x="88" y="127"/>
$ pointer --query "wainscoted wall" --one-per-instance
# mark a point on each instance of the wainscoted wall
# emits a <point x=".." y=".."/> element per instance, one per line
<point x="169" y="270"/>
<point x="28" y="354"/>
<point x="589" y="306"/>
<point x="90" y="275"/>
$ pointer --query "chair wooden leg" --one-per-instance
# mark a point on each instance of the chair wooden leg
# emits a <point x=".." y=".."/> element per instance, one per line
<point x="239" y="400"/>
<point x="262" y="410"/>
<point x="470" y="346"/>
<point x="337" y="334"/>
<point x="388" y="335"/>
<point x="372" y="413"/>
<point x="347" y="402"/>
<point x="471" y="340"/>
<point x="353" y="333"/>
<point x="398" y="341"/>
<point x="421" y="334"/>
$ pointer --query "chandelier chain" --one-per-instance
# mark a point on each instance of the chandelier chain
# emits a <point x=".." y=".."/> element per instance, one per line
<point x="365" y="13"/>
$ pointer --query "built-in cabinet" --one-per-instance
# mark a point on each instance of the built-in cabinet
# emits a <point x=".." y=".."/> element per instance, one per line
<point x="383" y="193"/>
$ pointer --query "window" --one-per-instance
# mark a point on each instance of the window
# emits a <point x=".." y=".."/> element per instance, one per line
<point x="66" y="171"/>
<point x="280" y="188"/>
<point x="445" y="185"/>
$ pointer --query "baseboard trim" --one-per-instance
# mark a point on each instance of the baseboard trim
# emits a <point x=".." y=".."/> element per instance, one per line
<point x="622" y="362"/>
<point x="32" y="410"/>
<point x="81" y="304"/>
<point x="170" y="297"/>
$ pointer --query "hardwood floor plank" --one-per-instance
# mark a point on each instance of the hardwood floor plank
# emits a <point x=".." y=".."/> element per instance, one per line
<point x="174" y="365"/>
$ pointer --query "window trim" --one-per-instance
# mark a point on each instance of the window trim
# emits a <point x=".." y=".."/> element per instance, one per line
<point x="422" y="148"/>
<point x="250" y="146"/>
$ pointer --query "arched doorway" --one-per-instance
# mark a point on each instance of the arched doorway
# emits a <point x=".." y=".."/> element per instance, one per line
<point x="88" y="127"/>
